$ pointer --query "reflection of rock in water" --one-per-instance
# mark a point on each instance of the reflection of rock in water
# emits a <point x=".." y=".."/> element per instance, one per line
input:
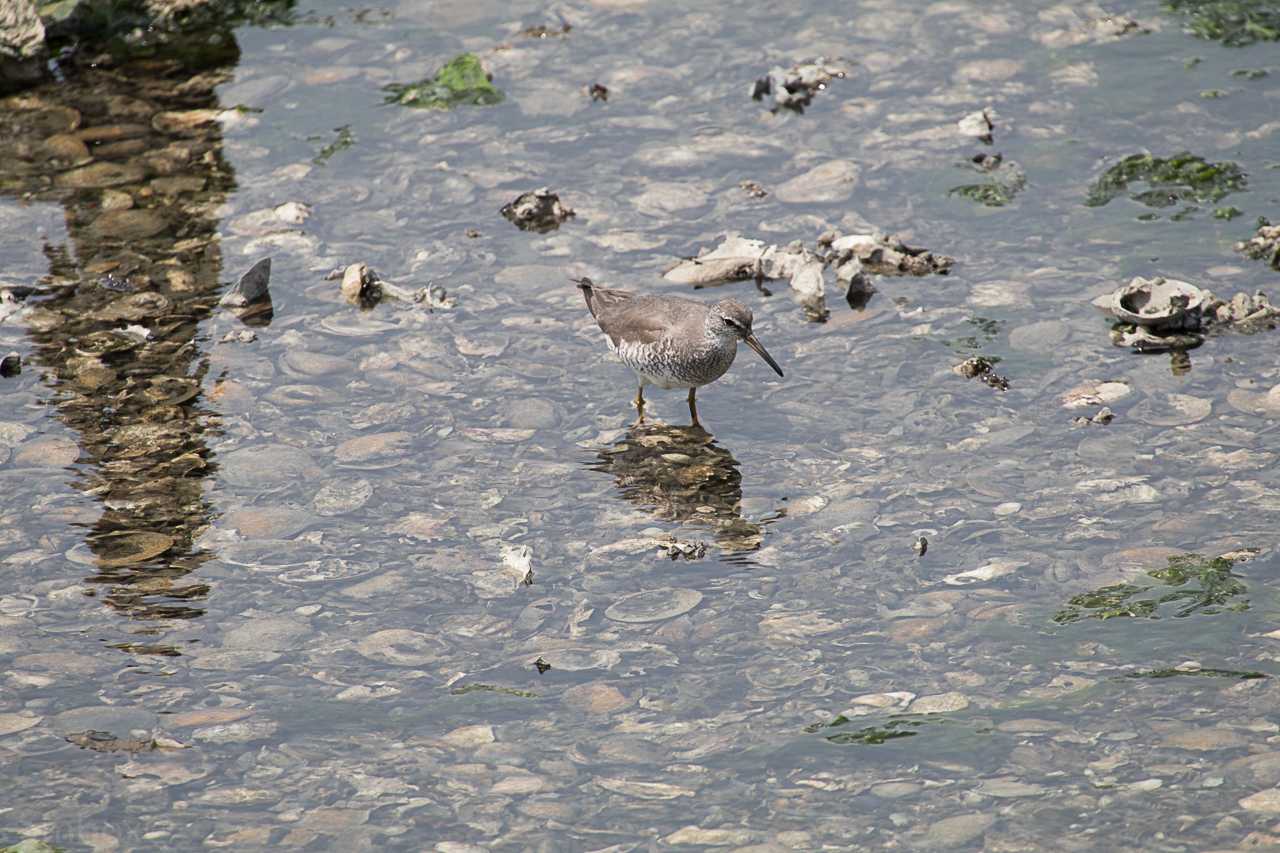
<point x="681" y="474"/>
<point x="133" y="154"/>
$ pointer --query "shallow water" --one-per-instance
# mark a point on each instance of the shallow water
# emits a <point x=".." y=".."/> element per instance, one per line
<point x="329" y="649"/>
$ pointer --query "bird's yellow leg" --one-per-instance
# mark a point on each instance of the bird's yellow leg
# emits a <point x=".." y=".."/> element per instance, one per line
<point x="639" y="403"/>
<point x="693" y="408"/>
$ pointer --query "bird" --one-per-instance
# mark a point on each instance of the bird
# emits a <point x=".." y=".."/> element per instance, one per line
<point x="670" y="341"/>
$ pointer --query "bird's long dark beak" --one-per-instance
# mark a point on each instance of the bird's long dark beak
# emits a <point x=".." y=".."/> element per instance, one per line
<point x="763" y="353"/>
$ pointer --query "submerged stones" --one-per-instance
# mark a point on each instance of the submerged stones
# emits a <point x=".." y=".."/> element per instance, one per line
<point x="539" y="210"/>
<point x="653" y="605"/>
<point x="462" y="81"/>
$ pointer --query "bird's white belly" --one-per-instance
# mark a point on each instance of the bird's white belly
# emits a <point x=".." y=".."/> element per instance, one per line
<point x="658" y="364"/>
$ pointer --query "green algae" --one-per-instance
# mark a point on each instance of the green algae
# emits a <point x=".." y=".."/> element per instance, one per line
<point x="345" y="139"/>
<point x="1174" y="672"/>
<point x="1183" y="178"/>
<point x="463" y="81"/>
<point x="989" y="194"/>
<point x="870" y="735"/>
<point x="1190" y="584"/>
<point x="1234" y="23"/>
<point x="493" y="688"/>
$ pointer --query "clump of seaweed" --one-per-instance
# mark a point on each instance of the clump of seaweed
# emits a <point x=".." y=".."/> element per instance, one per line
<point x="1184" y="178"/>
<point x="462" y="81"/>
<point x="1190" y="584"/>
<point x="1234" y="23"/>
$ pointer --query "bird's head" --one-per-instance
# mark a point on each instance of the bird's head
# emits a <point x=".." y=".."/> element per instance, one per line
<point x="729" y="319"/>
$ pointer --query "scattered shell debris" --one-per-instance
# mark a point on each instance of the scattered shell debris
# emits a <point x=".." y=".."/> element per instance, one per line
<point x="1160" y="314"/>
<point x="793" y="88"/>
<point x="853" y="257"/>
<point x="1264" y="245"/>
<point x="1102" y="417"/>
<point x="983" y="368"/>
<point x="538" y="210"/>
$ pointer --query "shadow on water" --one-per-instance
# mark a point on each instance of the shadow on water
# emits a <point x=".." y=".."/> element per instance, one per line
<point x="681" y="474"/>
<point x="132" y="151"/>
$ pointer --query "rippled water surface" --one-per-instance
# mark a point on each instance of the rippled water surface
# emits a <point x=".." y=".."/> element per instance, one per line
<point x="407" y="576"/>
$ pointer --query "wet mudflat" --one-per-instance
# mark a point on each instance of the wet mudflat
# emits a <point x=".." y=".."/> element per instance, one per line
<point x="318" y="570"/>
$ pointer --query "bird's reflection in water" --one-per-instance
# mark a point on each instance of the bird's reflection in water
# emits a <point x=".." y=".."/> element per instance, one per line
<point x="681" y="474"/>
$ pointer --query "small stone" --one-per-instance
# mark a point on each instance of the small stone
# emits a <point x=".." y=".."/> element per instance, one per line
<point x="128" y="224"/>
<point x="1204" y="739"/>
<point x="401" y="647"/>
<point x="696" y="836"/>
<point x="1267" y="802"/>
<point x="595" y="698"/>
<point x="829" y="182"/>
<point x="239" y="732"/>
<point x="469" y="737"/>
<point x="952" y="833"/>
<point x="939" y="703"/>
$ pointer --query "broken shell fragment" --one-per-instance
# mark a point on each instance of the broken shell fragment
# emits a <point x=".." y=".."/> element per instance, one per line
<point x="793" y="88"/>
<point x="1155" y="303"/>
<point x="360" y="285"/>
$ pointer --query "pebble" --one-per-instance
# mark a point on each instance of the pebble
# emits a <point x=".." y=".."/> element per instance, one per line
<point x="696" y="836"/>
<point x="1039" y="337"/>
<point x="1204" y="739"/>
<point x="400" y="646"/>
<point x="470" y="737"/>
<point x="595" y="698"/>
<point x="954" y="832"/>
<point x="830" y="182"/>
<point x="939" y="703"/>
<point x="238" y="732"/>
<point x="1267" y="802"/>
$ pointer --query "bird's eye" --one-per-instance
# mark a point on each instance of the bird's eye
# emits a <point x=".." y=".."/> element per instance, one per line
<point x="729" y="322"/>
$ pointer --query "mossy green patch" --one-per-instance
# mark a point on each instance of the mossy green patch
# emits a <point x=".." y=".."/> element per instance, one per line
<point x="986" y="330"/>
<point x="1174" y="672"/>
<point x="345" y="139"/>
<point x="1234" y="23"/>
<point x="989" y="194"/>
<point x="1190" y="584"/>
<point x="1183" y="178"/>
<point x="493" y="688"/>
<point x="462" y="81"/>
<point x="1227" y="213"/>
<point x="872" y="735"/>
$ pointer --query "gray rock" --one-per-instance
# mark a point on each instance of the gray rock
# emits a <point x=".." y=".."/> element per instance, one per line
<point x="22" y="49"/>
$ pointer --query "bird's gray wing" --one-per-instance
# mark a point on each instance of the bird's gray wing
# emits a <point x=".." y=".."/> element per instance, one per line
<point x="644" y="319"/>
